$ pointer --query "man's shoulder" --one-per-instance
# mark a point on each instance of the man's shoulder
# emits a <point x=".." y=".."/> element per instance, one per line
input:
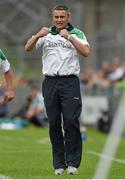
<point x="79" y="33"/>
<point x="2" y="56"/>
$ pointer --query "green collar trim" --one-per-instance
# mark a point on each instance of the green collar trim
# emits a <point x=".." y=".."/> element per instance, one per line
<point x="53" y="30"/>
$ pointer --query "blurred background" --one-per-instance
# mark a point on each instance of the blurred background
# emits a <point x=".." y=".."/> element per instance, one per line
<point x="102" y="82"/>
<point x="102" y="73"/>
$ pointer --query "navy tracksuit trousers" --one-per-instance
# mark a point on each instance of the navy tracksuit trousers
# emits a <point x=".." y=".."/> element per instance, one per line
<point x="63" y="106"/>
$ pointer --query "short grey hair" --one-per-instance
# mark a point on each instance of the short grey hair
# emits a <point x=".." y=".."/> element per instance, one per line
<point x="61" y="7"/>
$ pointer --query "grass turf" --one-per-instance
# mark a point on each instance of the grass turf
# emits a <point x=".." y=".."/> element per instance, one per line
<point x="26" y="154"/>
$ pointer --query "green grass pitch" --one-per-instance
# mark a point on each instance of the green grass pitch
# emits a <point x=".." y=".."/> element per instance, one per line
<point x="26" y="154"/>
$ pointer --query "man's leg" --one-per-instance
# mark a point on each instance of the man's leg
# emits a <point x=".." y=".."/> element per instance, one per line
<point x="71" y="105"/>
<point x="54" y="117"/>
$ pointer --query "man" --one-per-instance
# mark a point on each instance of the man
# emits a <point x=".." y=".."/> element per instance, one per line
<point x="60" y="44"/>
<point x="6" y="70"/>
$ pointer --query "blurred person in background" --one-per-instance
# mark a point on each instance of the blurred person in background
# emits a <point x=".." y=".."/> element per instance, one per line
<point x="60" y="45"/>
<point x="118" y="71"/>
<point x="36" y="112"/>
<point x="102" y="75"/>
<point x="5" y="69"/>
<point x="33" y="108"/>
<point x="87" y="79"/>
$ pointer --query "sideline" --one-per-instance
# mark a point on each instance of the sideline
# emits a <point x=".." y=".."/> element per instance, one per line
<point x="112" y="142"/>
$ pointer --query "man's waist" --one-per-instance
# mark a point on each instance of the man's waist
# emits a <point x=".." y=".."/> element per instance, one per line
<point x="60" y="76"/>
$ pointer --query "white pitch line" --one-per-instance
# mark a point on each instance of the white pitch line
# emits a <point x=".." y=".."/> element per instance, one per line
<point x="112" y="142"/>
<point x="107" y="157"/>
<point x="45" y="140"/>
<point x="2" y="176"/>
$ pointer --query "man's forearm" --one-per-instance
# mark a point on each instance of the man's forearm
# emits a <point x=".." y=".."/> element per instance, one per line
<point x="33" y="40"/>
<point x="9" y="93"/>
<point x="9" y="79"/>
<point x="82" y="49"/>
<point x="31" y="43"/>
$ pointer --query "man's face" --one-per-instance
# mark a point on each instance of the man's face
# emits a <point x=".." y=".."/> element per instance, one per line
<point x="60" y="19"/>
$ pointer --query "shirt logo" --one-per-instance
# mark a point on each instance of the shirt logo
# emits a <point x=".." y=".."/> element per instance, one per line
<point x="76" y="97"/>
<point x="58" y="44"/>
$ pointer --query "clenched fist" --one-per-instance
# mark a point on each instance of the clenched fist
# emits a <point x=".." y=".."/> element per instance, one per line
<point x="9" y="95"/>
<point x="64" y="33"/>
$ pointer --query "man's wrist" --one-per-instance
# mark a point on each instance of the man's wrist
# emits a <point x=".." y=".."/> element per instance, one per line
<point x="69" y="37"/>
<point x="36" y="36"/>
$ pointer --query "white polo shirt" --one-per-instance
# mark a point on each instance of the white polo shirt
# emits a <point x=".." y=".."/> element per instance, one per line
<point x="4" y="64"/>
<point x="59" y="56"/>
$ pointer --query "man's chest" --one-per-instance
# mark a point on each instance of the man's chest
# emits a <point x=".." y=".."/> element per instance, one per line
<point x="57" y="42"/>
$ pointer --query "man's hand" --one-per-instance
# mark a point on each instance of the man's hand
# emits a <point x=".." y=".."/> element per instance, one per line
<point x="43" y="32"/>
<point x="64" y="33"/>
<point x="9" y="95"/>
<point x="80" y="47"/>
<point x="32" y="41"/>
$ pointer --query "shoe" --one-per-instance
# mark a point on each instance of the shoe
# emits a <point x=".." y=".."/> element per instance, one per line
<point x="59" y="171"/>
<point x="72" y="170"/>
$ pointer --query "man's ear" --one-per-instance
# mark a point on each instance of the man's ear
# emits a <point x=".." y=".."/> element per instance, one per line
<point x="69" y="18"/>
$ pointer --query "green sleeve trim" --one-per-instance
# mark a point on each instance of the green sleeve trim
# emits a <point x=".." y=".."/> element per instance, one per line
<point x="2" y="56"/>
<point x="78" y="33"/>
